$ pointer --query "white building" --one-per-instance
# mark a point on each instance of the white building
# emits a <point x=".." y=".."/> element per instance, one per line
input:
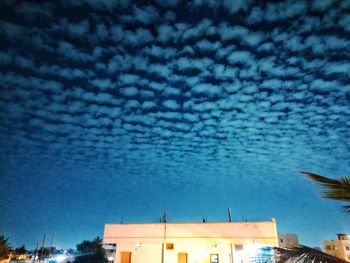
<point x="339" y="248"/>
<point x="223" y="242"/>
<point x="287" y="240"/>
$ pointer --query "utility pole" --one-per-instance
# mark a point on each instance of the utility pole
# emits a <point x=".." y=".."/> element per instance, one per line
<point x="36" y="250"/>
<point x="52" y="239"/>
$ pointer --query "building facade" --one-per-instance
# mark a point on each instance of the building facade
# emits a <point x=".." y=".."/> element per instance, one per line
<point x="223" y="242"/>
<point x="287" y="240"/>
<point x="339" y="248"/>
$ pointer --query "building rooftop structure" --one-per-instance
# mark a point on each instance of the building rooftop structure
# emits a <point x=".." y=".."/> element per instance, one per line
<point x="287" y="240"/>
<point x="339" y="248"/>
<point x="213" y="242"/>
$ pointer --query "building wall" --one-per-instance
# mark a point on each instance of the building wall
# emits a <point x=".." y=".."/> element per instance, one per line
<point x="146" y="242"/>
<point x="338" y="248"/>
<point x="287" y="240"/>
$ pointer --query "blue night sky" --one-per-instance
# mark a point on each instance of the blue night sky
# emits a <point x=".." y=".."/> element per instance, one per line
<point x="117" y="110"/>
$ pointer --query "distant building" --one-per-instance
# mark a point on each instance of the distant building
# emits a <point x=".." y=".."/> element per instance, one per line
<point x="287" y="240"/>
<point x="339" y="248"/>
<point x="223" y="242"/>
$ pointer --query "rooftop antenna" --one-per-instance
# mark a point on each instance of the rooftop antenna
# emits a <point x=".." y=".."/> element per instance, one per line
<point x="164" y="238"/>
<point x="164" y="216"/>
<point x="229" y="215"/>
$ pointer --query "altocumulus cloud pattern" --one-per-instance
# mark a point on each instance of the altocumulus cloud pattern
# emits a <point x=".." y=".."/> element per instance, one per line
<point x="172" y="94"/>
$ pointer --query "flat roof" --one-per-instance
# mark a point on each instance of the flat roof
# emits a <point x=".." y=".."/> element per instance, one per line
<point x="260" y="229"/>
<point x="198" y="222"/>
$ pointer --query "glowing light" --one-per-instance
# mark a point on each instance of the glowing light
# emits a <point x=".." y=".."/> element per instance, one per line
<point x="110" y="258"/>
<point x="60" y="258"/>
<point x="252" y="249"/>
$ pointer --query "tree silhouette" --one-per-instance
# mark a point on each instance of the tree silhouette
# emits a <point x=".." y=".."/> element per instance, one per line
<point x="20" y="250"/>
<point x="90" y="251"/>
<point x="5" y="247"/>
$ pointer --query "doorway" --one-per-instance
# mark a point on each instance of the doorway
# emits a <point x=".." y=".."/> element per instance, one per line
<point x="182" y="258"/>
<point x="125" y="257"/>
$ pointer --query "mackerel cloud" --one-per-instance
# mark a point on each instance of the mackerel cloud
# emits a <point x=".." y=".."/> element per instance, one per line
<point x="176" y="88"/>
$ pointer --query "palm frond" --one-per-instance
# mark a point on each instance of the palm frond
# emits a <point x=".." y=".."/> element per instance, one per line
<point x="346" y="209"/>
<point x="336" y="189"/>
<point x="304" y="254"/>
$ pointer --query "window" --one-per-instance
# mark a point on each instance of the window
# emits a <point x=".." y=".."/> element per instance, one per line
<point x="328" y="247"/>
<point x="169" y="246"/>
<point x="347" y="248"/>
<point x="214" y="258"/>
<point x="281" y="240"/>
<point x="238" y="247"/>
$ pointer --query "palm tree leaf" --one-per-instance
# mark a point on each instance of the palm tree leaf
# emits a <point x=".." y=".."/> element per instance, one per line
<point x="346" y="209"/>
<point x="337" y="189"/>
<point x="304" y="254"/>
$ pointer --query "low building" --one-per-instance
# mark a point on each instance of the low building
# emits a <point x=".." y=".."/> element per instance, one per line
<point x="287" y="240"/>
<point x="222" y="242"/>
<point x="339" y="248"/>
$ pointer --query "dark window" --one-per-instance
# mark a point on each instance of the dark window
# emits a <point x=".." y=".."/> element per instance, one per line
<point x="170" y="246"/>
<point x="238" y="247"/>
<point x="328" y="247"/>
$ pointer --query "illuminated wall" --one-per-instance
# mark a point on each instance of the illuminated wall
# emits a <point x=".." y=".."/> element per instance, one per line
<point x="339" y="248"/>
<point x="192" y="242"/>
